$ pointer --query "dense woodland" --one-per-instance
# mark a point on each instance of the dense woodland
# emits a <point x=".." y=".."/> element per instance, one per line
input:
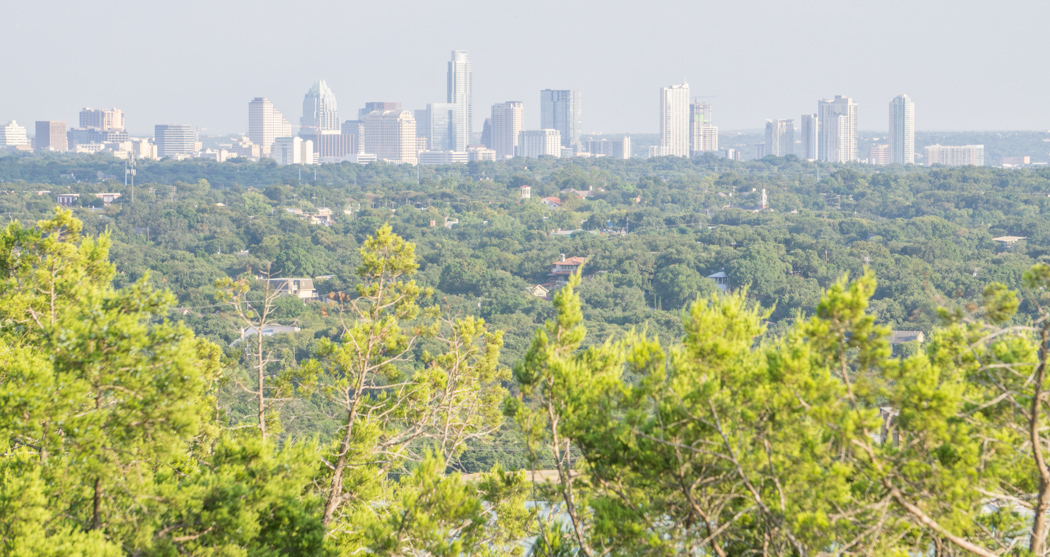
<point x="430" y="404"/>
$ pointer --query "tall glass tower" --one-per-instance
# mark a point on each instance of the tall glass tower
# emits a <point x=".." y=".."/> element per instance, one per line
<point x="459" y="93"/>
<point x="902" y="130"/>
<point x="560" y="110"/>
<point x="319" y="109"/>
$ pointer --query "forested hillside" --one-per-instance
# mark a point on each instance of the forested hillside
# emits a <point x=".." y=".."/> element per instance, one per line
<point x="146" y="410"/>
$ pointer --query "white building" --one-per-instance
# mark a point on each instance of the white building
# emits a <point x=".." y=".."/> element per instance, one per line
<point x="320" y="112"/>
<point x="105" y="119"/>
<point x="613" y="149"/>
<point x="390" y="135"/>
<point x="292" y="150"/>
<point x="480" y="153"/>
<point x="703" y="134"/>
<point x="810" y="133"/>
<point x="780" y="137"/>
<point x="837" y="133"/>
<point x="537" y="143"/>
<point x="526" y="192"/>
<point x="175" y="139"/>
<point x="955" y="155"/>
<point x="13" y="135"/>
<point x="460" y="85"/>
<point x="265" y="124"/>
<point x="505" y="126"/>
<point x="560" y="110"/>
<point x="443" y="157"/>
<point x="902" y="130"/>
<point x="674" y="121"/>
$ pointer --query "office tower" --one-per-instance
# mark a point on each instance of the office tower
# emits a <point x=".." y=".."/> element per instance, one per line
<point x="13" y="135"/>
<point x="560" y="110"/>
<point x="810" y="128"/>
<point x="533" y="144"/>
<point x="377" y="105"/>
<point x="486" y="133"/>
<point x="703" y="134"/>
<point x="480" y="153"/>
<point x="902" y="130"/>
<point x="390" y="135"/>
<point x="293" y="150"/>
<point x="51" y="136"/>
<point x="319" y="108"/>
<point x="780" y="137"/>
<point x="508" y="119"/>
<point x="111" y="119"/>
<point x="611" y="148"/>
<point x="173" y="140"/>
<point x="837" y="130"/>
<point x="459" y="91"/>
<point x="355" y="130"/>
<point x="439" y="124"/>
<point x="955" y="155"/>
<point x="674" y="121"/>
<point x="880" y="155"/>
<point x="265" y="124"/>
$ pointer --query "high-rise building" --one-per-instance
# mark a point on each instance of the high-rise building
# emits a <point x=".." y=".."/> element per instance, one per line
<point x="390" y="135"/>
<point x="51" y="136"/>
<point x="810" y="128"/>
<point x="533" y="144"/>
<point x="560" y="110"/>
<point x="377" y="105"/>
<point x="703" y="134"/>
<point x="902" y="130"/>
<point x="265" y="124"/>
<point x="674" y="120"/>
<point x="508" y="120"/>
<point x="440" y="125"/>
<point x="13" y="135"/>
<point x="879" y="154"/>
<point x="780" y="137"/>
<point x="613" y="149"/>
<point x="459" y="91"/>
<point x="174" y="139"/>
<point x="955" y="155"/>
<point x="320" y="112"/>
<point x="356" y="130"/>
<point x="293" y="150"/>
<point x="837" y="130"/>
<point x="105" y="119"/>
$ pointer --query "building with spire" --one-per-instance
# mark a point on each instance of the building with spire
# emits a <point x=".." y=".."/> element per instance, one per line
<point x="460" y="86"/>
<point x="320" y="112"/>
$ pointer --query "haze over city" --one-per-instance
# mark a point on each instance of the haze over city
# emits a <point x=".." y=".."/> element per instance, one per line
<point x="967" y="65"/>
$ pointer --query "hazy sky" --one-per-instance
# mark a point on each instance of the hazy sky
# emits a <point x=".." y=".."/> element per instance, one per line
<point x="967" y="64"/>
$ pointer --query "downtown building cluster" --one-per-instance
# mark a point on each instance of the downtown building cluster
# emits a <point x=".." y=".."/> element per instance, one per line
<point x="443" y="133"/>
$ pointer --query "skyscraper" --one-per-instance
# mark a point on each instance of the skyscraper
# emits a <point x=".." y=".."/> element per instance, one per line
<point x="319" y="109"/>
<point x="810" y="127"/>
<point x="266" y="124"/>
<point x="508" y="119"/>
<point x="780" y="137"/>
<point x="111" y="119"/>
<point x="674" y="120"/>
<point x="837" y="133"/>
<point x="173" y="140"/>
<point x="560" y="110"/>
<point x="51" y="136"/>
<point x="459" y="92"/>
<point x="902" y="130"/>
<point x="533" y="144"/>
<point x="703" y="135"/>
<point x="441" y="126"/>
<point x="390" y="135"/>
<point x="293" y="150"/>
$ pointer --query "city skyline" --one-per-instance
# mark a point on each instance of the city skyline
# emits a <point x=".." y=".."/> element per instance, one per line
<point x="206" y="79"/>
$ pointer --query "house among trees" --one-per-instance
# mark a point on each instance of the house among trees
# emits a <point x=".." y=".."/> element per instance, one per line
<point x="552" y="202"/>
<point x="68" y="199"/>
<point x="561" y="269"/>
<point x="107" y="198"/>
<point x="302" y="288"/>
<point x="904" y="337"/>
<point x="542" y="290"/>
<point x="1009" y="241"/>
<point x="721" y="280"/>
